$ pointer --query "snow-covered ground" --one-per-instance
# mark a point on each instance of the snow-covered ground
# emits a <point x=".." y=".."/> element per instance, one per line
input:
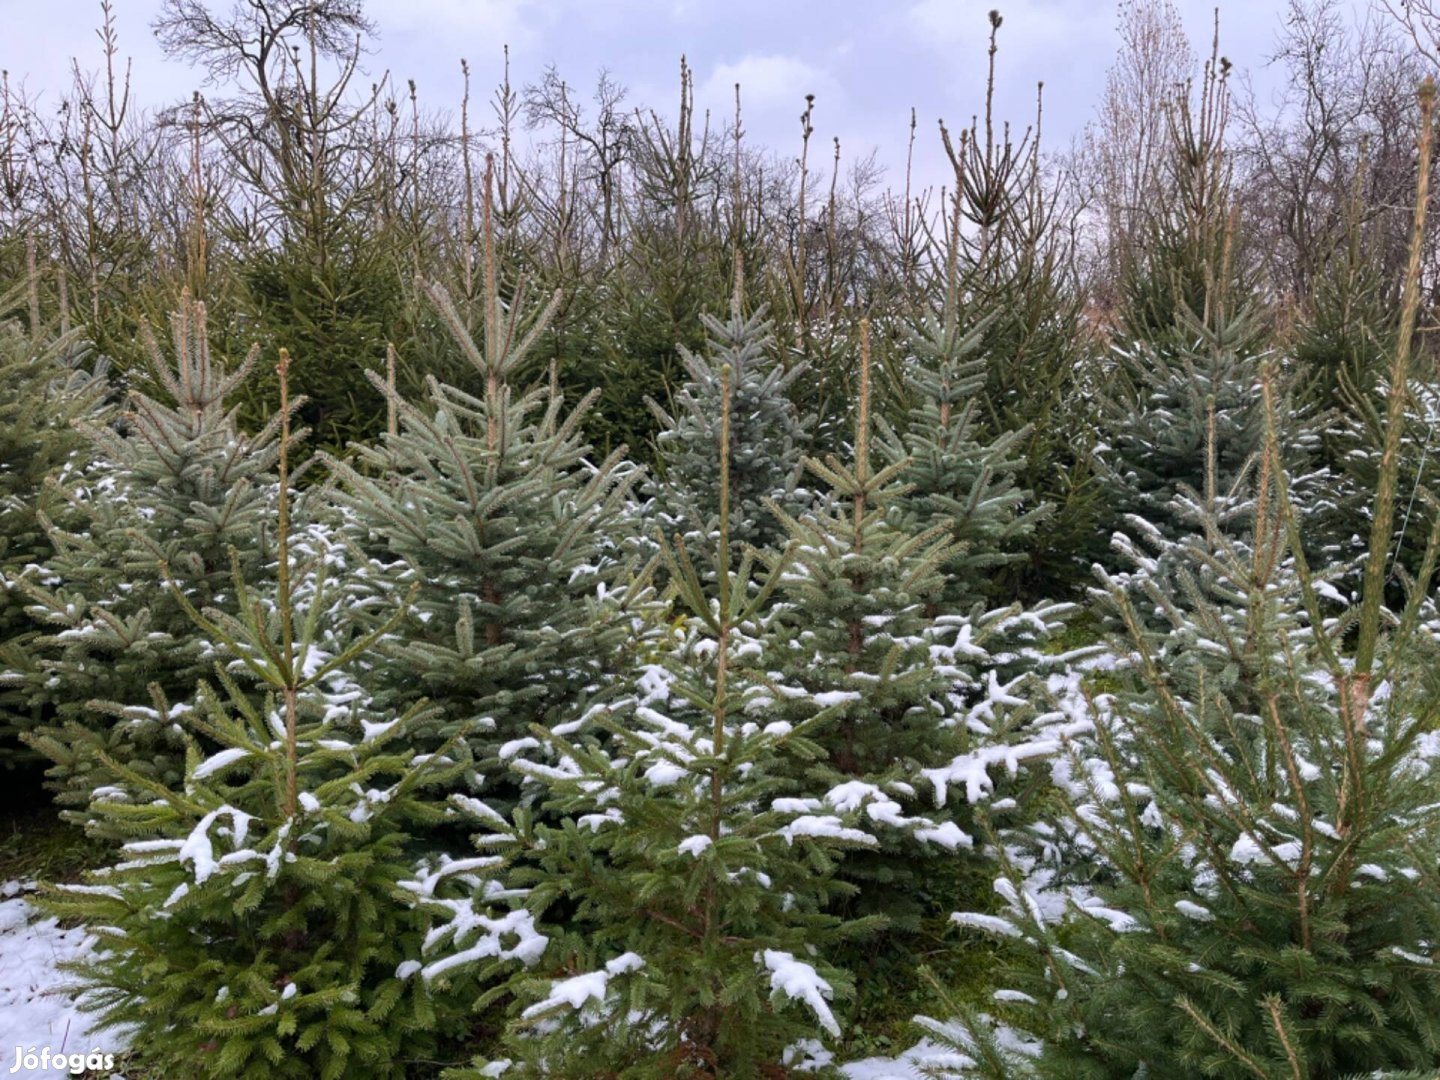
<point x="35" y="1012"/>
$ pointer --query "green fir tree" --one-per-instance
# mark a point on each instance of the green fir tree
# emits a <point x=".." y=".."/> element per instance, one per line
<point x="175" y="490"/>
<point x="918" y="697"/>
<point x="493" y="508"/>
<point x="770" y="436"/>
<point x="957" y="480"/>
<point x="689" y="890"/>
<point x="44" y="387"/>
<point x="263" y="919"/>
<point x="1261" y="797"/>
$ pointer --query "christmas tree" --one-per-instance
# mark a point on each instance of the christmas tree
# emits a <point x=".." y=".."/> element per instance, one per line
<point x="1170" y="409"/>
<point x="175" y="488"/>
<point x="689" y="885"/>
<point x="44" y="387"/>
<point x="1005" y="258"/>
<point x="263" y="918"/>
<point x="917" y="694"/>
<point x="1195" y="339"/>
<point x="769" y="436"/>
<point x="1264" y="815"/>
<point x="493" y="507"/>
<point x="957" y="480"/>
<point x="1187" y="265"/>
<point x="1268" y="844"/>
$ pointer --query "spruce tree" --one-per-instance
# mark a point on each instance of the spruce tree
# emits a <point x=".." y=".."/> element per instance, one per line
<point x="1348" y="320"/>
<point x="45" y="385"/>
<point x="494" y="508"/>
<point x="263" y="919"/>
<point x="1267" y="905"/>
<point x="1169" y="408"/>
<point x="1004" y="255"/>
<point x="958" y="480"/>
<point x="1187" y="266"/>
<point x="1186" y="373"/>
<point x="690" y="887"/>
<point x="174" y="488"/>
<point x="1266" y="817"/>
<point x="769" y="438"/>
<point x="916" y="692"/>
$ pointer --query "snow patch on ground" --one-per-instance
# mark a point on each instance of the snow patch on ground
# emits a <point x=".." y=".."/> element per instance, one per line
<point x="34" y="1010"/>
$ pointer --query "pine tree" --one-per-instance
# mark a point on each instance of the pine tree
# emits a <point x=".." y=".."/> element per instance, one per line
<point x="1004" y="256"/>
<point x="770" y="436"/>
<point x="44" y="387"/>
<point x="175" y="488"/>
<point x="958" y="481"/>
<point x="493" y="506"/>
<point x="1268" y="903"/>
<point x="692" y="887"/>
<point x="1267" y="820"/>
<point x="1195" y="337"/>
<point x="1169" y="409"/>
<point x="1348" y="319"/>
<point x="1186" y="267"/>
<point x="263" y="919"/>
<point x="916" y="692"/>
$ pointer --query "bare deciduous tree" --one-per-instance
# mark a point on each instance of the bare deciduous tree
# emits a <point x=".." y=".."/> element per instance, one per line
<point x="1333" y="150"/>
<point x="604" y="140"/>
<point x="1120" y="160"/>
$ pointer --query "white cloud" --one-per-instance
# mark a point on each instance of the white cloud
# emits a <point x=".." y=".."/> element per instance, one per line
<point x="486" y="24"/>
<point x="1029" y="23"/>
<point x="768" y="82"/>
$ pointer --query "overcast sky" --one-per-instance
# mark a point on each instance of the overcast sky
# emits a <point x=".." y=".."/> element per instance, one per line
<point x="867" y="61"/>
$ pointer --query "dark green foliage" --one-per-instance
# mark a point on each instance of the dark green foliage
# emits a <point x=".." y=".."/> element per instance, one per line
<point x="695" y="938"/>
<point x="262" y="920"/>
<point x="1176" y="419"/>
<point x="339" y="313"/>
<point x="1039" y="375"/>
<point x="1348" y="325"/>
<point x="1187" y="268"/>
<point x="1002" y="272"/>
<point x="1268" y="831"/>
<point x="621" y="338"/>
<point x="958" y="482"/>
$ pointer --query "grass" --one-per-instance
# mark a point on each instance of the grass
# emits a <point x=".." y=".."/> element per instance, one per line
<point x="35" y="845"/>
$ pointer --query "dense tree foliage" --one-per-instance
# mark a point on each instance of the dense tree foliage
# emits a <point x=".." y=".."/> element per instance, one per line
<point x="633" y="609"/>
